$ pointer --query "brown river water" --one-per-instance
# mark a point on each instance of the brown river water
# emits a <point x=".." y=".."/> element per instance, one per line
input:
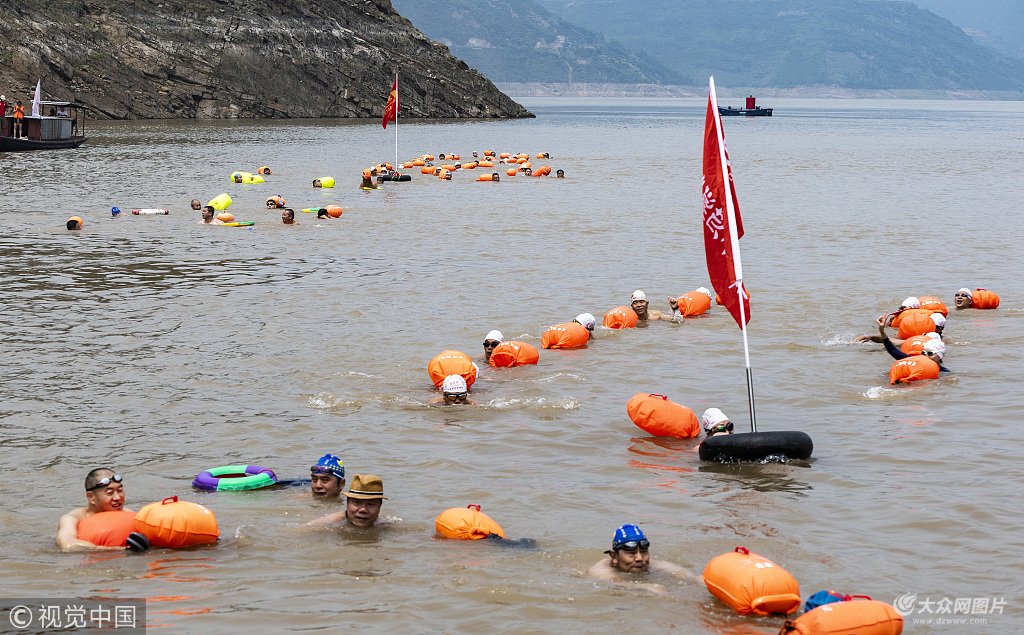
<point x="162" y="348"/>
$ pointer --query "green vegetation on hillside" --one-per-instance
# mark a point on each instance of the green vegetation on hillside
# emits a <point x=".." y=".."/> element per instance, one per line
<point x="786" y="43"/>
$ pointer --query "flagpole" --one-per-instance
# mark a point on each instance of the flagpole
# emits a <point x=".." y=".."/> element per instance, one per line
<point x="735" y="244"/>
<point x="397" y="106"/>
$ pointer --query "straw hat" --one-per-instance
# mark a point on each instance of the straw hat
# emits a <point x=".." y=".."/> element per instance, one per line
<point x="366" y="486"/>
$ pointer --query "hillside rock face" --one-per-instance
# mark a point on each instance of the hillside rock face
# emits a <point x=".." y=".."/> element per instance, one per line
<point x="130" y="59"/>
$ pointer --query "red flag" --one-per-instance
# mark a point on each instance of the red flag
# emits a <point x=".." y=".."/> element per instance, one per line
<point x="722" y="233"/>
<point x="391" y="110"/>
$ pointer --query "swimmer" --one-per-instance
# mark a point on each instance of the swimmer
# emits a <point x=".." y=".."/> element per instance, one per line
<point x="587" y="321"/>
<point x="910" y="303"/>
<point x="288" y="216"/>
<point x="630" y="557"/>
<point x="208" y="218"/>
<point x="491" y="342"/>
<point x="367" y="183"/>
<point x="638" y="302"/>
<point x="317" y="183"/>
<point x="275" y="201"/>
<point x="454" y="391"/>
<point x="322" y="213"/>
<point x="937" y="318"/>
<point x="934" y="350"/>
<point x="238" y="178"/>
<point x="74" y="223"/>
<point x="115" y="212"/>
<point x="362" y="504"/>
<point x="979" y="299"/>
<point x="327" y="477"/>
<point x="105" y="493"/>
<point x="962" y="299"/>
<point x="715" y="422"/>
<point x="559" y="174"/>
<point x="196" y="205"/>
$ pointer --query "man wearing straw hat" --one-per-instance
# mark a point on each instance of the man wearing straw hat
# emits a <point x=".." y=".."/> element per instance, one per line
<point x="362" y="503"/>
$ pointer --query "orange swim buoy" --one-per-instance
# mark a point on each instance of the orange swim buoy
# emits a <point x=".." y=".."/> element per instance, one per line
<point x="428" y="157"/>
<point x="915" y="345"/>
<point x="408" y="164"/>
<point x="863" y="617"/>
<point x="933" y="304"/>
<point x="334" y="211"/>
<point x="263" y="170"/>
<point x="486" y="164"/>
<point x="694" y="303"/>
<point x="488" y="153"/>
<point x="488" y="177"/>
<point x="503" y="155"/>
<point x="621" y="317"/>
<point x="449" y="167"/>
<point x="568" y="335"/>
<point x="107" y="529"/>
<point x="657" y="416"/>
<point x="543" y="155"/>
<point x="418" y="163"/>
<point x="915" y="322"/>
<point x="451" y="363"/>
<point x="226" y="217"/>
<point x="173" y="523"/>
<point x="512" y="353"/>
<point x="427" y="169"/>
<point x="913" y="368"/>
<point x="470" y="165"/>
<point x="511" y="171"/>
<point x="984" y="299"/>
<point x="750" y="583"/>
<point x="466" y="523"/>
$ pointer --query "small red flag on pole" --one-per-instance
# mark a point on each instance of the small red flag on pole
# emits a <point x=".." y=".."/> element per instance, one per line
<point x="391" y="110"/>
<point x="722" y="224"/>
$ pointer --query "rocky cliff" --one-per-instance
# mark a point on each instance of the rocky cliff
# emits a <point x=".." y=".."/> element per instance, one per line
<point x="233" y="58"/>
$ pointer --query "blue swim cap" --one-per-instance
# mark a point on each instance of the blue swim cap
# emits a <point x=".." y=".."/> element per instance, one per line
<point x="627" y="533"/>
<point x="329" y="463"/>
<point x="114" y="211"/>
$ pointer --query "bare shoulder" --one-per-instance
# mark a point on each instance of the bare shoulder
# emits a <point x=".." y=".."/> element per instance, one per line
<point x="602" y="569"/>
<point x="337" y="517"/>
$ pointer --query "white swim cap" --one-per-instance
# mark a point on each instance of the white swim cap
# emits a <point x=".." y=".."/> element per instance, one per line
<point x="967" y="291"/>
<point x="3" y="97"/>
<point x="939" y="319"/>
<point x="638" y="295"/>
<point x="712" y="417"/>
<point x="707" y="292"/>
<point x="587" y="320"/>
<point x="495" y="335"/>
<point x="933" y="335"/>
<point x="935" y="346"/>
<point x="454" y="384"/>
<point x="911" y="303"/>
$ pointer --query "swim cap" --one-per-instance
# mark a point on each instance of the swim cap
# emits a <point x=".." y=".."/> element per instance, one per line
<point x="587" y="320"/>
<point x="911" y="303"/>
<point x="638" y="295"/>
<point x="939" y="319"/>
<point x="114" y="211"/>
<point x="712" y="417"/>
<point x="367" y="173"/>
<point x="935" y="346"/>
<point x="967" y="291"/>
<point x="333" y="463"/>
<point x="627" y="533"/>
<point x="705" y="291"/>
<point x="454" y="385"/>
<point x="495" y="335"/>
<point x="73" y="220"/>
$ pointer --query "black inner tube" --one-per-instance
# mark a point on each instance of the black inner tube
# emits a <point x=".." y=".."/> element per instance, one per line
<point x="756" y="446"/>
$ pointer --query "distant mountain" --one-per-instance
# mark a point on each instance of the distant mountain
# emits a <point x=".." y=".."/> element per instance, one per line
<point x="520" y="41"/>
<point x="859" y="44"/>
<point x="995" y="23"/>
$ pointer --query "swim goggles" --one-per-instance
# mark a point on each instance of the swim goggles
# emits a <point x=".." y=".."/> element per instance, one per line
<point x="961" y="295"/>
<point x="491" y="343"/>
<point x="459" y="397"/>
<point x="721" y="427"/>
<point x="327" y="470"/>
<point x="103" y="482"/>
<point x="632" y="545"/>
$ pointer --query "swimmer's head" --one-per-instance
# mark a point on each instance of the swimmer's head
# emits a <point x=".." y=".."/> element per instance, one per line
<point x="706" y="292"/>
<point x="911" y="303"/>
<point x="208" y="212"/>
<point x="630" y="552"/>
<point x="196" y="205"/>
<point x="587" y="320"/>
<point x="104" y="491"/>
<point x="560" y="174"/>
<point x="115" y="211"/>
<point x="714" y="422"/>
<point x="238" y="178"/>
<point x="939" y="320"/>
<point x="316" y="183"/>
<point x="963" y="298"/>
<point x="75" y="223"/>
<point x="934" y="348"/>
<point x="638" y="295"/>
<point x="454" y="385"/>
<point x="491" y="342"/>
<point x="322" y="213"/>
<point x="287" y="216"/>
<point x="327" y="476"/>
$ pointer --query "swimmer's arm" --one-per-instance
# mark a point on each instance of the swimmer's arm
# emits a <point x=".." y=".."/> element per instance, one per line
<point x="471" y="402"/>
<point x="894" y="352"/>
<point x="673" y="304"/>
<point x="603" y="571"/>
<point x="437" y="400"/>
<point x="329" y="518"/>
<point x="67" y="536"/>
<point x="678" y="571"/>
<point x="882" y="322"/>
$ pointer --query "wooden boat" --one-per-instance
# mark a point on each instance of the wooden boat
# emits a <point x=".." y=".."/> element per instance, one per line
<point x="751" y="110"/>
<point x="49" y="131"/>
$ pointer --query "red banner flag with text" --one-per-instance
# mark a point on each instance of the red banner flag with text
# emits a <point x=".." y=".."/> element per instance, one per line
<point x="724" y="266"/>
<point x="391" y="110"/>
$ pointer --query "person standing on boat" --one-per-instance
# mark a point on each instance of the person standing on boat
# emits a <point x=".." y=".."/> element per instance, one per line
<point x="19" y="114"/>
